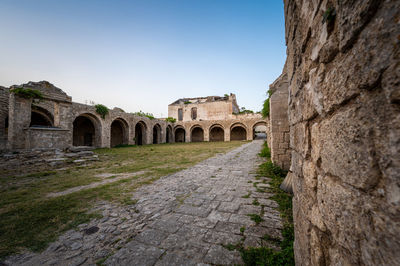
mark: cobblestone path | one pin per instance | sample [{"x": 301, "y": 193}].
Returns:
[{"x": 182, "y": 219}]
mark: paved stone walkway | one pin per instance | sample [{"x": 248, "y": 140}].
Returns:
[{"x": 182, "y": 219}]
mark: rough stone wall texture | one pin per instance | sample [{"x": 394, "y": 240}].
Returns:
[
  {"x": 344, "y": 116},
  {"x": 279, "y": 122},
  {"x": 4, "y": 95}
]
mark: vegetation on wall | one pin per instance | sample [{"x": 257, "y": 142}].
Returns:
[
  {"x": 243, "y": 110},
  {"x": 27, "y": 93},
  {"x": 187, "y": 102},
  {"x": 102, "y": 110},
  {"x": 265, "y": 109},
  {"x": 170, "y": 119},
  {"x": 141, "y": 113}
]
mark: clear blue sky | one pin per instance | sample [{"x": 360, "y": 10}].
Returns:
[{"x": 143, "y": 55}]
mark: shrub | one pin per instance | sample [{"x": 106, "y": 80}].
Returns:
[
  {"x": 187, "y": 102},
  {"x": 170, "y": 119},
  {"x": 27, "y": 93},
  {"x": 140, "y": 113},
  {"x": 101, "y": 110}
]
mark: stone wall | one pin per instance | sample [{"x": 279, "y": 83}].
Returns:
[
  {"x": 4, "y": 95},
  {"x": 279, "y": 122},
  {"x": 344, "y": 114}
]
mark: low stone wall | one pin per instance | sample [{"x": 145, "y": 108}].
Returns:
[
  {"x": 47, "y": 138},
  {"x": 344, "y": 114}
]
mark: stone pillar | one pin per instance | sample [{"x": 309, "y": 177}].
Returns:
[
  {"x": 19, "y": 119},
  {"x": 279, "y": 122},
  {"x": 227, "y": 134},
  {"x": 206, "y": 134}
]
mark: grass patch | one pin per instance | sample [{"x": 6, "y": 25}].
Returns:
[
  {"x": 255, "y": 202},
  {"x": 29, "y": 219},
  {"x": 265, "y": 255},
  {"x": 247, "y": 195},
  {"x": 255, "y": 217}
]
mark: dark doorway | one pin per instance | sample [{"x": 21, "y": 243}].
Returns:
[
  {"x": 83, "y": 132},
  {"x": 180, "y": 135},
  {"x": 197, "y": 134},
  {"x": 118, "y": 133},
  {"x": 140, "y": 134},
  {"x": 217, "y": 134},
  {"x": 238, "y": 133}
]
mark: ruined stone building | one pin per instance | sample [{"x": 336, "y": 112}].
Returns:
[
  {"x": 335, "y": 110},
  {"x": 213, "y": 118},
  {"x": 55, "y": 122}
]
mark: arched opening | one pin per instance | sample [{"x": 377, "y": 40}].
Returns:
[
  {"x": 140, "y": 133},
  {"x": 180, "y": 134},
  {"x": 119, "y": 132},
  {"x": 197, "y": 134},
  {"x": 168, "y": 137},
  {"x": 217, "y": 133},
  {"x": 41, "y": 117},
  {"x": 156, "y": 134},
  {"x": 260, "y": 130},
  {"x": 238, "y": 132},
  {"x": 85, "y": 132}
]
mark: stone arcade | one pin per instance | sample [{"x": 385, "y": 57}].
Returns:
[{"x": 55, "y": 122}]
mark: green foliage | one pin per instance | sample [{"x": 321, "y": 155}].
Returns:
[
  {"x": 27, "y": 93},
  {"x": 265, "y": 109},
  {"x": 243, "y": 110},
  {"x": 226, "y": 95},
  {"x": 265, "y": 152},
  {"x": 102, "y": 110},
  {"x": 329, "y": 15},
  {"x": 255, "y": 217},
  {"x": 170, "y": 119},
  {"x": 187, "y": 102},
  {"x": 148, "y": 115},
  {"x": 255, "y": 202}
]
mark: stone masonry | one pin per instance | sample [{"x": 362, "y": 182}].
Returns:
[
  {"x": 279, "y": 122},
  {"x": 344, "y": 93},
  {"x": 55, "y": 122}
]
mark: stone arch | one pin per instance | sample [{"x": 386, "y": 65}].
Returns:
[
  {"x": 40, "y": 117},
  {"x": 140, "y": 133},
  {"x": 180, "y": 134},
  {"x": 156, "y": 134},
  {"x": 238, "y": 132},
  {"x": 257, "y": 132},
  {"x": 119, "y": 132},
  {"x": 168, "y": 135},
  {"x": 86, "y": 130},
  {"x": 217, "y": 133},
  {"x": 196, "y": 134}
]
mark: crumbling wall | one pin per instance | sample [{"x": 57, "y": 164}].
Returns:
[
  {"x": 4, "y": 98},
  {"x": 279, "y": 122},
  {"x": 343, "y": 66}
]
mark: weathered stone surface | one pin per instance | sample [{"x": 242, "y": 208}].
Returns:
[{"x": 343, "y": 85}]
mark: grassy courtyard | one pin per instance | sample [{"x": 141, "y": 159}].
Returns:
[{"x": 29, "y": 218}]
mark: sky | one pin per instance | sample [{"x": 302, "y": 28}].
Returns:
[{"x": 144, "y": 54}]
